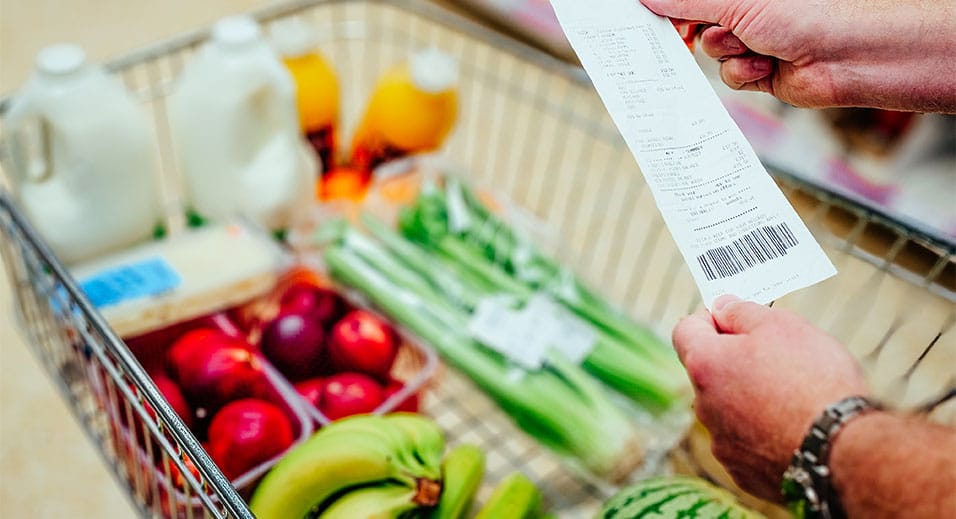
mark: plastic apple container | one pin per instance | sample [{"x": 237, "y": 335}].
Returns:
[
  {"x": 206, "y": 368},
  {"x": 342, "y": 358}
]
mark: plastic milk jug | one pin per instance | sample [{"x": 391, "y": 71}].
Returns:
[
  {"x": 84, "y": 167},
  {"x": 236, "y": 130}
]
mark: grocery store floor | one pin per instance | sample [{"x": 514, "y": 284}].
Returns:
[{"x": 48, "y": 468}]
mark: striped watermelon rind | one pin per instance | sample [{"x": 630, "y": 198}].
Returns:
[{"x": 676, "y": 497}]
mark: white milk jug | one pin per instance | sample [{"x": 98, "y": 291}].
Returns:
[
  {"x": 236, "y": 133},
  {"x": 84, "y": 166}
]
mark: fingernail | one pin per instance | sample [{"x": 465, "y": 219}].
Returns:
[
  {"x": 725, "y": 300},
  {"x": 731, "y": 43},
  {"x": 761, "y": 66}
]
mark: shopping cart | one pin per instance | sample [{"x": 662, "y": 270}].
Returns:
[{"x": 532, "y": 127}]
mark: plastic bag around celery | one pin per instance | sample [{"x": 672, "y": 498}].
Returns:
[
  {"x": 433, "y": 254},
  {"x": 493, "y": 247}
]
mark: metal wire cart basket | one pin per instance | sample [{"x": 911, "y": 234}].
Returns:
[{"x": 532, "y": 127}]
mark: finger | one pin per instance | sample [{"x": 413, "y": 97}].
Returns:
[
  {"x": 762, "y": 85},
  {"x": 719, "y": 42},
  {"x": 733, "y": 315},
  {"x": 693, "y": 332},
  {"x": 710, "y": 11},
  {"x": 738, "y": 71}
]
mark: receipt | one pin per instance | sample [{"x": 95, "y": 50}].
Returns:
[{"x": 736, "y": 230}]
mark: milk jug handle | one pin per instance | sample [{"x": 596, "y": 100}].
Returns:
[
  {"x": 264, "y": 83},
  {"x": 27, "y": 166},
  {"x": 258, "y": 84}
]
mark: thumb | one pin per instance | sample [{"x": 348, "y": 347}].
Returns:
[
  {"x": 692, "y": 332},
  {"x": 710, "y": 11},
  {"x": 734, "y": 315}
]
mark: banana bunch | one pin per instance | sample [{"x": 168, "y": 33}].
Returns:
[{"x": 366, "y": 467}]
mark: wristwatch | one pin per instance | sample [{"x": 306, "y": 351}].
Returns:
[{"x": 807, "y": 486}]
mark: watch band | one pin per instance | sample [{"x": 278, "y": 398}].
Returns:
[{"x": 807, "y": 485}]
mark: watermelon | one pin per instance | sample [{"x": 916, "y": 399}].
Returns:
[{"x": 676, "y": 497}]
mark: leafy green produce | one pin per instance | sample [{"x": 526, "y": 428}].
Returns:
[
  {"x": 491, "y": 257},
  {"x": 450, "y": 256},
  {"x": 560, "y": 404}
]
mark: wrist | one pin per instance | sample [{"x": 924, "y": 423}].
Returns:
[{"x": 852, "y": 445}]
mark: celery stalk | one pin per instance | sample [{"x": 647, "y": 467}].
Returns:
[
  {"x": 560, "y": 405},
  {"x": 627, "y": 356}
]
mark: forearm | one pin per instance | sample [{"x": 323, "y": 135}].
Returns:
[
  {"x": 899, "y": 56},
  {"x": 885, "y": 465}
]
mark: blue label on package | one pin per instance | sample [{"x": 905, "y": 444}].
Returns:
[{"x": 147, "y": 278}]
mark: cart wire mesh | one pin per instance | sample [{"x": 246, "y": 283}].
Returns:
[{"x": 531, "y": 127}]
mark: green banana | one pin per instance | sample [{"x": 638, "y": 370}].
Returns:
[
  {"x": 426, "y": 437},
  {"x": 385, "y": 501},
  {"x": 462, "y": 470},
  {"x": 416, "y": 441},
  {"x": 374, "y": 426},
  {"x": 515, "y": 497},
  {"x": 354, "y": 451}
]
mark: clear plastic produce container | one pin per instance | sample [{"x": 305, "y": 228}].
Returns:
[
  {"x": 414, "y": 367},
  {"x": 141, "y": 455}
]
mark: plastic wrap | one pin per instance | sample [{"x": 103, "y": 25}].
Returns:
[{"x": 463, "y": 270}]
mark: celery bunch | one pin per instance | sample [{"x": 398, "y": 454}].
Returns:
[
  {"x": 452, "y": 224},
  {"x": 560, "y": 405},
  {"x": 452, "y": 253}
]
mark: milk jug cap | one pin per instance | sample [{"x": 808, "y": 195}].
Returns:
[
  {"x": 60, "y": 59},
  {"x": 235, "y": 30},
  {"x": 292, "y": 37},
  {"x": 434, "y": 71}
]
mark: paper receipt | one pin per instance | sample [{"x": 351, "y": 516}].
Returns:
[{"x": 736, "y": 230}]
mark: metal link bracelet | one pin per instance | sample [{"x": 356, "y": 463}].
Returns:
[{"x": 807, "y": 483}]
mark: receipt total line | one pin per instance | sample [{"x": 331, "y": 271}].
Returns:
[{"x": 738, "y": 170}]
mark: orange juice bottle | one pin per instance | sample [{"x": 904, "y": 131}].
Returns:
[
  {"x": 317, "y": 88},
  {"x": 412, "y": 110}
]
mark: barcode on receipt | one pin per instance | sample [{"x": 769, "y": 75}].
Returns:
[{"x": 758, "y": 246}]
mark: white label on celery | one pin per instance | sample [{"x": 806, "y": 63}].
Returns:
[
  {"x": 737, "y": 232},
  {"x": 562, "y": 330},
  {"x": 496, "y": 325},
  {"x": 458, "y": 219}
]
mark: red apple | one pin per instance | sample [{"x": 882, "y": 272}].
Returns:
[
  {"x": 246, "y": 433},
  {"x": 347, "y": 393},
  {"x": 320, "y": 303},
  {"x": 295, "y": 344},
  {"x": 139, "y": 433},
  {"x": 410, "y": 404},
  {"x": 177, "y": 477},
  {"x": 311, "y": 390},
  {"x": 363, "y": 342},
  {"x": 211, "y": 376},
  {"x": 174, "y": 396},
  {"x": 191, "y": 341}
]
